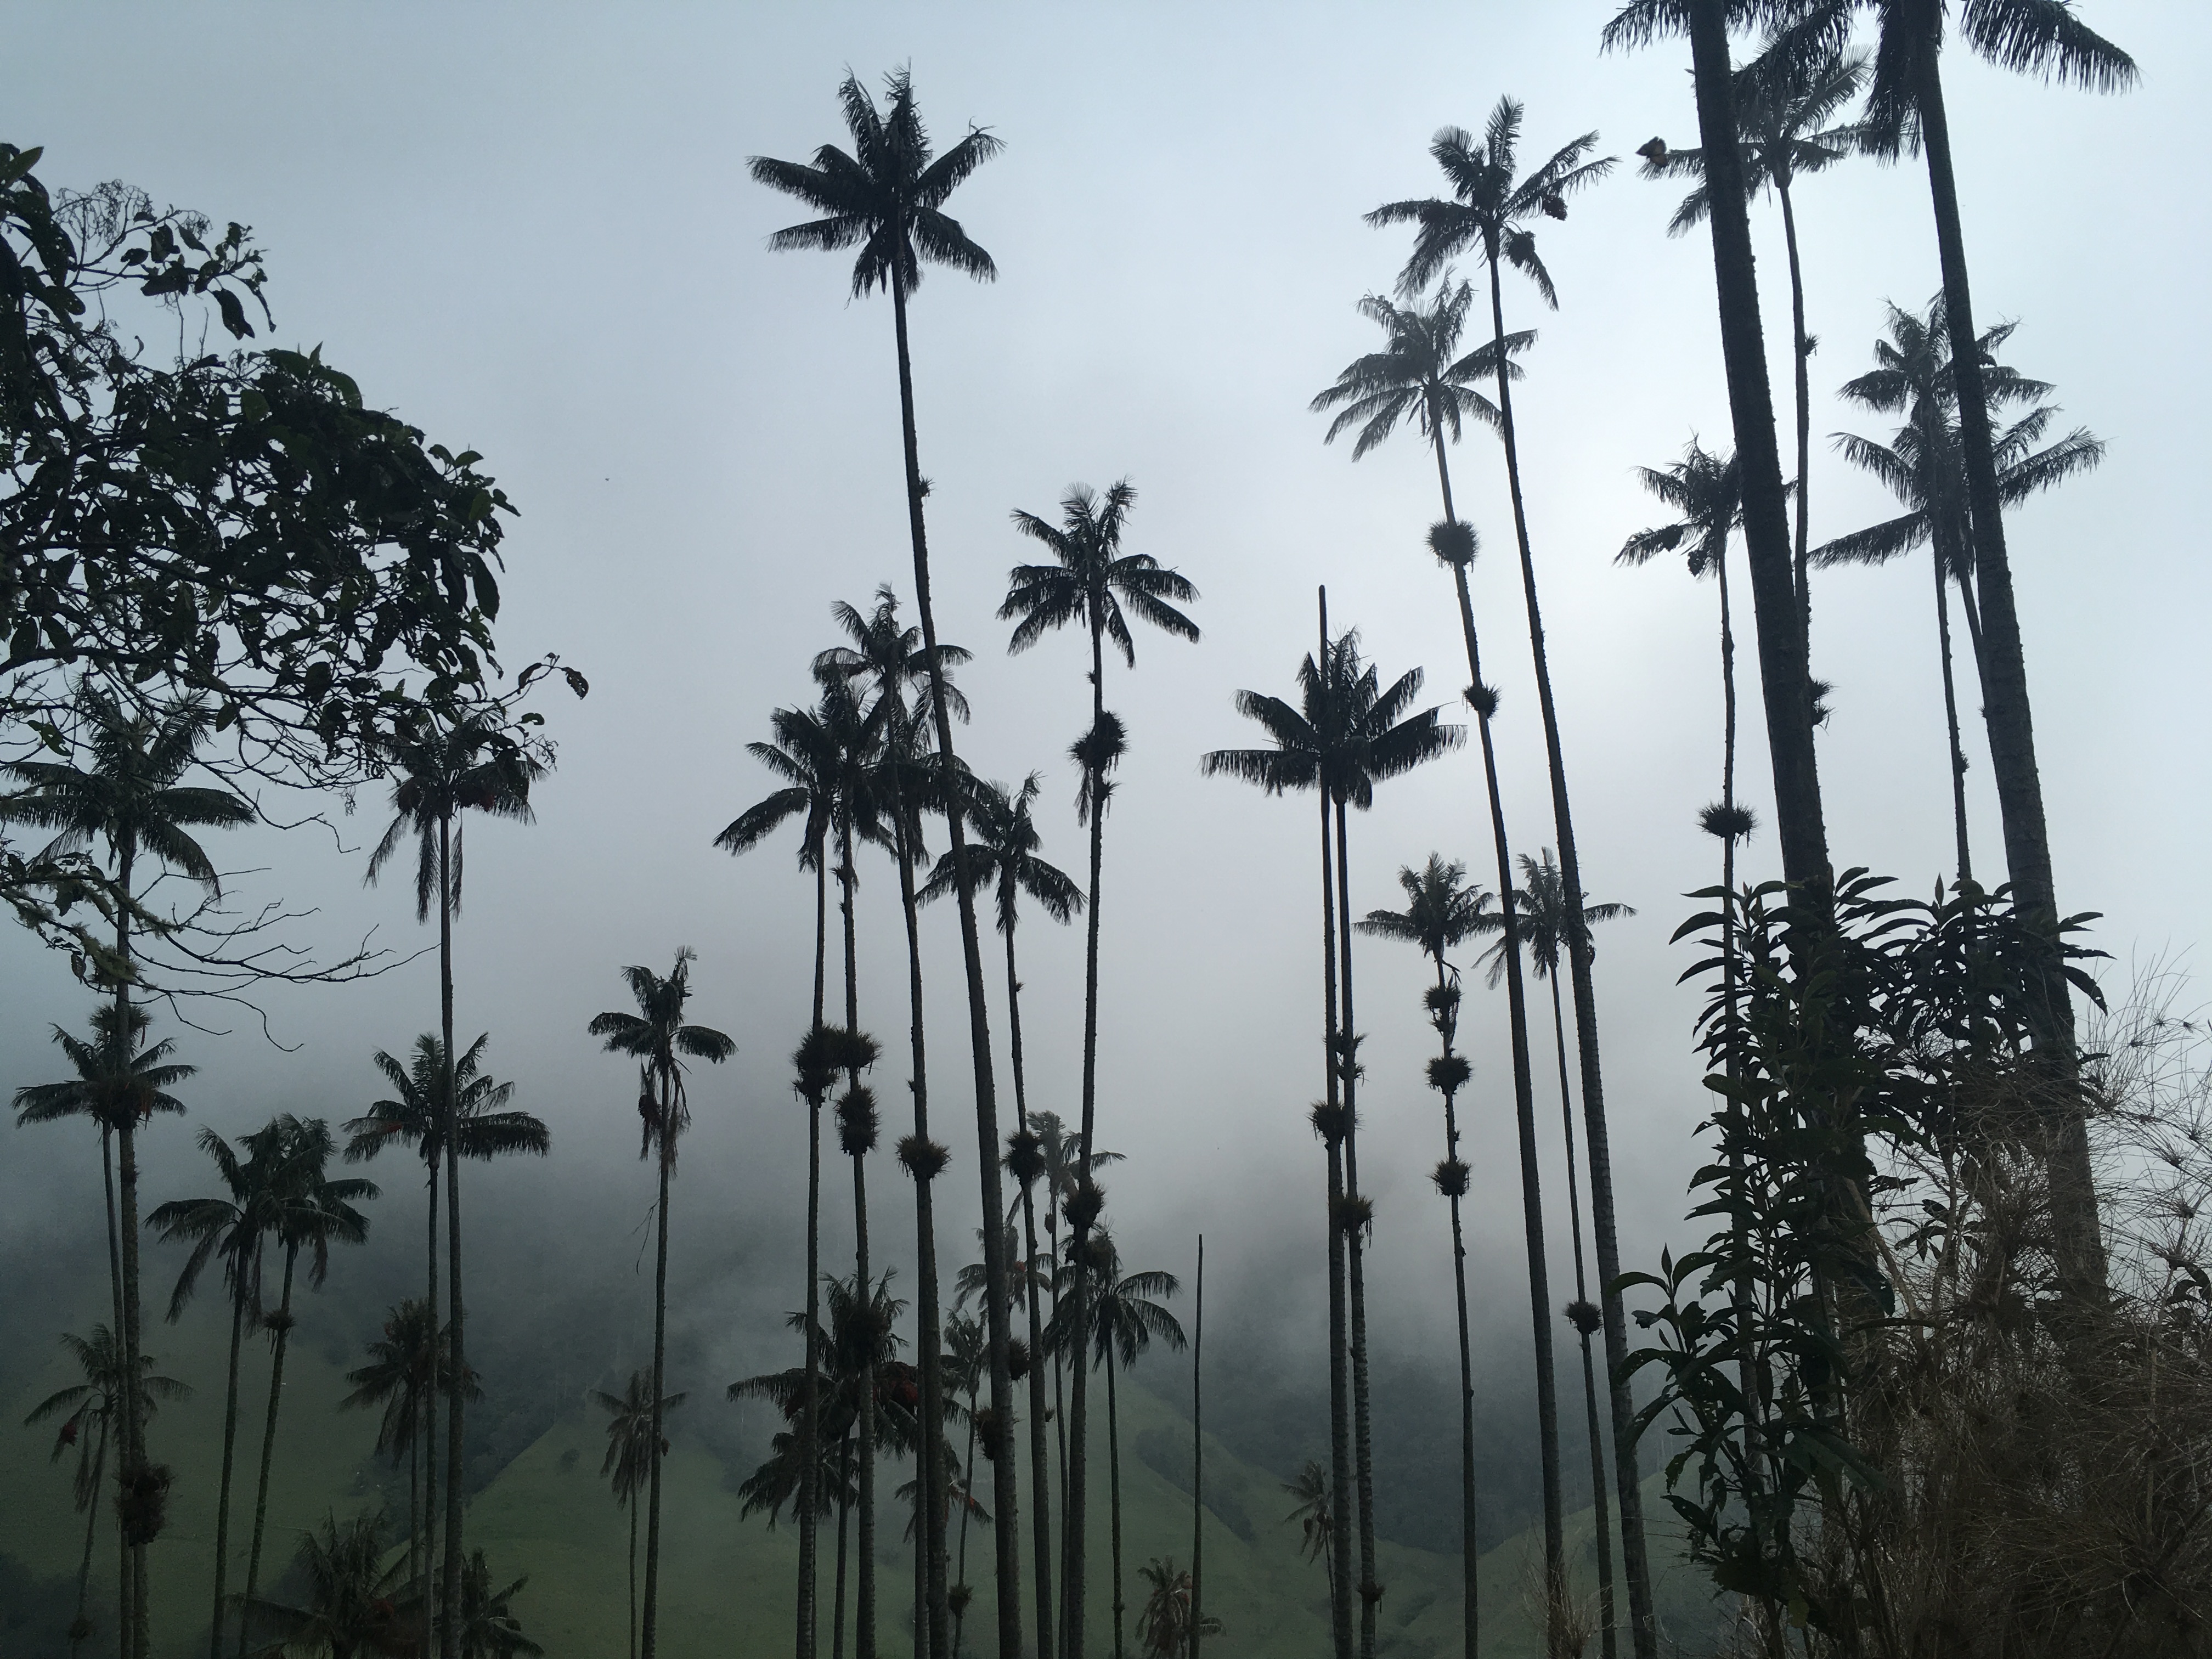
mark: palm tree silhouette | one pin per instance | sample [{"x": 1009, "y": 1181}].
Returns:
[
  {"x": 354, "y": 1602},
  {"x": 886, "y": 198},
  {"x": 967, "y": 1367},
  {"x": 658, "y": 1037},
  {"x": 1317, "y": 1521},
  {"x": 1124, "y": 1316},
  {"x": 488, "y": 1628},
  {"x": 309, "y": 1213},
  {"x": 1094, "y": 584},
  {"x": 1005, "y": 851},
  {"x": 1351, "y": 733},
  {"x": 456, "y": 766},
  {"x": 1415, "y": 380},
  {"x": 130, "y": 798},
  {"x": 1441, "y": 912},
  {"x": 234, "y": 1225},
  {"x": 406, "y": 1367},
  {"x": 91, "y": 1414},
  {"x": 632, "y": 1437},
  {"x": 1786, "y": 102},
  {"x": 1492, "y": 213},
  {"x": 1165, "y": 1627},
  {"x": 1923, "y": 466},
  {"x": 888, "y": 664}
]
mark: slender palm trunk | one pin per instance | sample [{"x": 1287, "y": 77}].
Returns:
[
  {"x": 837, "y": 1617},
  {"x": 91, "y": 1523},
  {"x": 115, "y": 1288},
  {"x": 456, "y": 1384},
  {"x": 1524, "y": 1109},
  {"x": 864, "y": 1631},
  {"x": 1470, "y": 1552},
  {"x": 1040, "y": 1460},
  {"x": 1958, "y": 755},
  {"x": 415, "y": 1511},
  {"x": 1114, "y": 1486},
  {"x": 1370, "y": 1587},
  {"x": 1340, "y": 1415},
  {"x": 1005, "y": 1498},
  {"x": 967, "y": 1507},
  {"x": 438, "y": 1360},
  {"x": 633, "y": 1575},
  {"x": 229, "y": 1449},
  {"x": 649, "y": 1625},
  {"x": 1800, "y": 351},
  {"x": 134, "y": 1459},
  {"x": 1197, "y": 1451},
  {"x": 1074, "y": 1525},
  {"x": 269, "y": 1441},
  {"x": 929, "y": 1491},
  {"x": 810, "y": 1451},
  {"x": 1603, "y": 1517}
]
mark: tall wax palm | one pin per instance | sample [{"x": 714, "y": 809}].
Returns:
[
  {"x": 1096, "y": 585},
  {"x": 1005, "y": 853},
  {"x": 1906, "y": 110},
  {"x": 488, "y": 1628},
  {"x": 1441, "y": 912},
  {"x": 659, "y": 1039},
  {"x": 234, "y": 1225},
  {"x": 353, "y": 1604},
  {"x": 130, "y": 799},
  {"x": 886, "y": 198},
  {"x": 633, "y": 1445},
  {"x": 1550, "y": 930},
  {"x": 406, "y": 1367},
  {"x": 1351, "y": 733},
  {"x": 461, "y": 764},
  {"x": 1315, "y": 1517},
  {"x": 92, "y": 1413},
  {"x": 887, "y": 664},
  {"x": 120, "y": 1086},
  {"x": 1415, "y": 381},
  {"x": 1492, "y": 213},
  {"x": 823, "y": 755},
  {"x": 1923, "y": 465},
  {"x": 309, "y": 1213},
  {"x": 1787, "y": 101},
  {"x": 1125, "y": 1315}
]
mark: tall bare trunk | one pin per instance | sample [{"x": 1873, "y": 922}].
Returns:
[
  {"x": 864, "y": 1609},
  {"x": 649, "y": 1626},
  {"x": 115, "y": 1288},
  {"x": 134, "y": 1460},
  {"x": 810, "y": 1407},
  {"x": 438, "y": 1359},
  {"x": 1197, "y": 1454},
  {"x": 1470, "y": 1552},
  {"x": 1342, "y": 1502},
  {"x": 1114, "y": 1486},
  {"x": 1040, "y": 1458},
  {"x": 268, "y": 1445},
  {"x": 1006, "y": 1496},
  {"x": 91, "y": 1524},
  {"x": 1363, "y": 1456},
  {"x": 633, "y": 1575},
  {"x": 456, "y": 1384},
  {"x": 229, "y": 1449},
  {"x": 1957, "y": 756},
  {"x": 1800, "y": 349}
]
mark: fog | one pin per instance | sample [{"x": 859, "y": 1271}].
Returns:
[{"x": 529, "y": 231}]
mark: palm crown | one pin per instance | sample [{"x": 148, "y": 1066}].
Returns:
[
  {"x": 886, "y": 196},
  {"x": 1704, "y": 488},
  {"x": 1490, "y": 210},
  {"x": 409, "y": 1362},
  {"x": 1125, "y": 1314},
  {"x": 1416, "y": 380},
  {"x": 233, "y": 1226},
  {"x": 310, "y": 1212},
  {"x": 1003, "y": 848},
  {"x": 658, "y": 1037},
  {"x": 1094, "y": 579},
  {"x": 96, "y": 1401},
  {"x": 468, "y": 766},
  {"x": 826, "y": 757},
  {"x": 1442, "y": 910},
  {"x": 1787, "y": 101},
  {"x": 117, "y": 1085},
  {"x": 483, "y": 1127},
  {"x": 628, "y": 1462},
  {"x": 1540, "y": 911}
]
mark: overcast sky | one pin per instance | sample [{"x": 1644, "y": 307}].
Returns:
[{"x": 529, "y": 230}]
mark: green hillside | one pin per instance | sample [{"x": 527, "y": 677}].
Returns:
[{"x": 726, "y": 1583}]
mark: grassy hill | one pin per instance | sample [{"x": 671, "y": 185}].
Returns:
[{"x": 725, "y": 1582}]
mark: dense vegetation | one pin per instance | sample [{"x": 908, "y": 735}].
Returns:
[{"x": 1934, "y": 1382}]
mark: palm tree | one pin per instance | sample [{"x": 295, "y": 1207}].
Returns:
[
  {"x": 1317, "y": 1521},
  {"x": 488, "y": 1628},
  {"x": 119, "y": 1085},
  {"x": 1165, "y": 1626},
  {"x": 456, "y": 766},
  {"x": 1492, "y": 213},
  {"x": 308, "y": 1214},
  {"x": 888, "y": 664},
  {"x": 823, "y": 756},
  {"x": 406, "y": 1370},
  {"x": 1351, "y": 733},
  {"x": 1906, "y": 109},
  {"x": 1005, "y": 851},
  {"x": 91, "y": 1414},
  {"x": 1096, "y": 584},
  {"x": 1414, "y": 381},
  {"x": 1923, "y": 466},
  {"x": 130, "y": 798},
  {"x": 886, "y": 198},
  {"x": 1786, "y": 101},
  {"x": 234, "y": 1226},
  {"x": 632, "y": 1446},
  {"x": 354, "y": 1603},
  {"x": 658, "y": 1039},
  {"x": 967, "y": 1367},
  {"x": 1441, "y": 912},
  {"x": 1124, "y": 1316}
]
